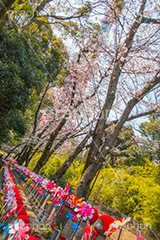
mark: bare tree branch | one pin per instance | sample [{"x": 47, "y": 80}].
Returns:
[
  {"x": 140, "y": 94},
  {"x": 150, "y": 20}
]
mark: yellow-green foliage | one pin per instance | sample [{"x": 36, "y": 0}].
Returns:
[
  {"x": 53, "y": 164},
  {"x": 3, "y": 153},
  {"x": 72, "y": 175},
  {"x": 134, "y": 191},
  {"x": 34, "y": 161}
]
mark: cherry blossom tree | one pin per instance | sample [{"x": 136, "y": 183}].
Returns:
[
  {"x": 67, "y": 103},
  {"x": 132, "y": 81},
  {"x": 113, "y": 77}
]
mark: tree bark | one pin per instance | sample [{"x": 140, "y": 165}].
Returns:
[
  {"x": 119, "y": 63},
  {"x": 20, "y": 144},
  {"x": 51, "y": 152},
  {"x": 94, "y": 166},
  {"x": 49, "y": 144},
  {"x": 21, "y": 154},
  {"x": 25, "y": 154},
  {"x": 59, "y": 144},
  {"x": 62, "y": 170},
  {"x": 33, "y": 153}
]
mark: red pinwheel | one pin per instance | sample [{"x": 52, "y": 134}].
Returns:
[
  {"x": 29, "y": 228},
  {"x": 17, "y": 230},
  {"x": 50, "y": 185},
  {"x": 76, "y": 201},
  {"x": 11, "y": 211},
  {"x": 18, "y": 196},
  {"x": 139, "y": 237}
]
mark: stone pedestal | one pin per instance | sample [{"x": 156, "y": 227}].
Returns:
[{"x": 62, "y": 219}]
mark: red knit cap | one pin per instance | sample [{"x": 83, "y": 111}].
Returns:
[
  {"x": 107, "y": 220},
  {"x": 19, "y": 200},
  {"x": 95, "y": 216},
  {"x": 20, "y": 206},
  {"x": 21, "y": 211},
  {"x": 24, "y": 218}
]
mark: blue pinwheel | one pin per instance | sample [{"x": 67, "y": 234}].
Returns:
[
  {"x": 75, "y": 227},
  {"x": 1, "y": 225},
  {"x": 44, "y": 195},
  {"x": 56, "y": 206},
  {"x": 69, "y": 216},
  {"x": 6, "y": 230}
]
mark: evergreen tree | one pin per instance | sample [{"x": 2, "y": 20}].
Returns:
[{"x": 27, "y": 64}]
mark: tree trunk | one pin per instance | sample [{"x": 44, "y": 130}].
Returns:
[
  {"x": 33, "y": 153},
  {"x": 119, "y": 63},
  {"x": 49, "y": 144},
  {"x": 20, "y": 155},
  {"x": 51, "y": 152},
  {"x": 97, "y": 141},
  {"x": 96, "y": 164},
  {"x": 13, "y": 149},
  {"x": 62, "y": 170},
  {"x": 83, "y": 186},
  {"x": 57, "y": 146},
  {"x": 25, "y": 154}
]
